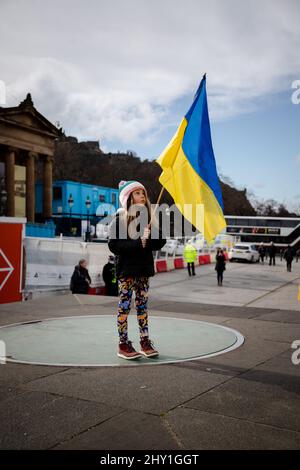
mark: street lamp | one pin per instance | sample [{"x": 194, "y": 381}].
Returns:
[
  {"x": 71, "y": 203},
  {"x": 88, "y": 233},
  {"x": 3, "y": 201},
  {"x": 3, "y": 197},
  {"x": 168, "y": 221}
]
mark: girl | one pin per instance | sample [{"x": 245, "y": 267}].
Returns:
[{"x": 130, "y": 240}]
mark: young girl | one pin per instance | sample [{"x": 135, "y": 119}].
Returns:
[{"x": 130, "y": 240}]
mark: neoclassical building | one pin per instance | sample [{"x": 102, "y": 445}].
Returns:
[{"x": 26, "y": 139}]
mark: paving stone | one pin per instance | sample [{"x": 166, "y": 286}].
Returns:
[
  {"x": 37, "y": 420},
  {"x": 131, "y": 431},
  {"x": 202, "y": 430}
]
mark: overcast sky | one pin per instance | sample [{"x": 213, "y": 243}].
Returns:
[{"x": 125, "y": 71}]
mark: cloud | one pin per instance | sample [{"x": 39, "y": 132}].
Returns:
[
  {"x": 259, "y": 185},
  {"x": 114, "y": 69}
]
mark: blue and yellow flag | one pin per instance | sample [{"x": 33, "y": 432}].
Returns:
[{"x": 189, "y": 169}]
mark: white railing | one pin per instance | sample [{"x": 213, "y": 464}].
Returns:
[{"x": 50, "y": 262}]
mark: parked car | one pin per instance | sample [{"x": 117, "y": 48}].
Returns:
[
  {"x": 179, "y": 247},
  {"x": 102, "y": 231},
  {"x": 173, "y": 247},
  {"x": 170, "y": 246},
  {"x": 198, "y": 242},
  {"x": 244, "y": 251}
]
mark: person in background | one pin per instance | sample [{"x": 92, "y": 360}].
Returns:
[
  {"x": 80, "y": 280},
  {"x": 262, "y": 252},
  {"x": 272, "y": 254},
  {"x": 281, "y": 254},
  {"x": 289, "y": 256},
  {"x": 110, "y": 278},
  {"x": 220, "y": 265},
  {"x": 190, "y": 256}
]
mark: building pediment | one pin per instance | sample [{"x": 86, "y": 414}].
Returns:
[
  {"x": 24, "y": 128},
  {"x": 25, "y": 115}
]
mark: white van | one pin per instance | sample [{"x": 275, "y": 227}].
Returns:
[
  {"x": 102, "y": 231},
  {"x": 244, "y": 251}
]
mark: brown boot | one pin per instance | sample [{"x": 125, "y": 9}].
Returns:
[
  {"x": 127, "y": 351},
  {"x": 147, "y": 347}
]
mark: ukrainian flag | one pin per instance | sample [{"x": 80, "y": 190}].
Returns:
[{"x": 189, "y": 169}]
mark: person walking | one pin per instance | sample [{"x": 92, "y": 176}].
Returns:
[
  {"x": 282, "y": 251},
  {"x": 80, "y": 280},
  {"x": 109, "y": 277},
  {"x": 289, "y": 256},
  {"x": 272, "y": 254},
  {"x": 190, "y": 256},
  {"x": 267, "y": 254},
  {"x": 133, "y": 236},
  {"x": 220, "y": 265},
  {"x": 262, "y": 252}
]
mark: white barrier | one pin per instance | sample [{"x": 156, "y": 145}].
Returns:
[{"x": 50, "y": 262}]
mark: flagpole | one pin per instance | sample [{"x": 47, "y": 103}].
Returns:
[{"x": 157, "y": 203}]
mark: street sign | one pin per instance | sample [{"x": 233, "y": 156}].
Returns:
[{"x": 11, "y": 259}]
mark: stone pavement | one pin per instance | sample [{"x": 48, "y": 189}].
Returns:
[{"x": 248, "y": 398}]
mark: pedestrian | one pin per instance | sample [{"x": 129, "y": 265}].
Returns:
[
  {"x": 297, "y": 255},
  {"x": 281, "y": 254},
  {"x": 289, "y": 256},
  {"x": 80, "y": 280},
  {"x": 110, "y": 278},
  {"x": 190, "y": 256},
  {"x": 134, "y": 234},
  {"x": 267, "y": 254},
  {"x": 262, "y": 252},
  {"x": 220, "y": 265},
  {"x": 272, "y": 253}
]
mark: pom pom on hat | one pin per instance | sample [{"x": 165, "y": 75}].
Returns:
[
  {"x": 126, "y": 188},
  {"x": 122, "y": 183}
]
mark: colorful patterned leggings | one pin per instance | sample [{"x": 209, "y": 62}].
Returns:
[{"x": 126, "y": 287}]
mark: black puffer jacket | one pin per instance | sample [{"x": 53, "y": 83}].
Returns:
[
  {"x": 220, "y": 263},
  {"x": 289, "y": 255},
  {"x": 80, "y": 280},
  {"x": 131, "y": 258}
]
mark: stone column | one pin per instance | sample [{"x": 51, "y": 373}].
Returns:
[
  {"x": 30, "y": 186},
  {"x": 47, "y": 187},
  {"x": 10, "y": 181}
]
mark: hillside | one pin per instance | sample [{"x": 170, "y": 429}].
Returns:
[{"x": 85, "y": 162}]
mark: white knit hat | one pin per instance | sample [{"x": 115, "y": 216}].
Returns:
[{"x": 126, "y": 188}]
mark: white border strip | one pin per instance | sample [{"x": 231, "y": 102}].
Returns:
[{"x": 239, "y": 341}]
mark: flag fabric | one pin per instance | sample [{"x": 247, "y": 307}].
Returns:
[{"x": 189, "y": 169}]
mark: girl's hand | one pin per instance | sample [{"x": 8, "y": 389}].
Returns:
[
  {"x": 145, "y": 236},
  {"x": 146, "y": 233}
]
